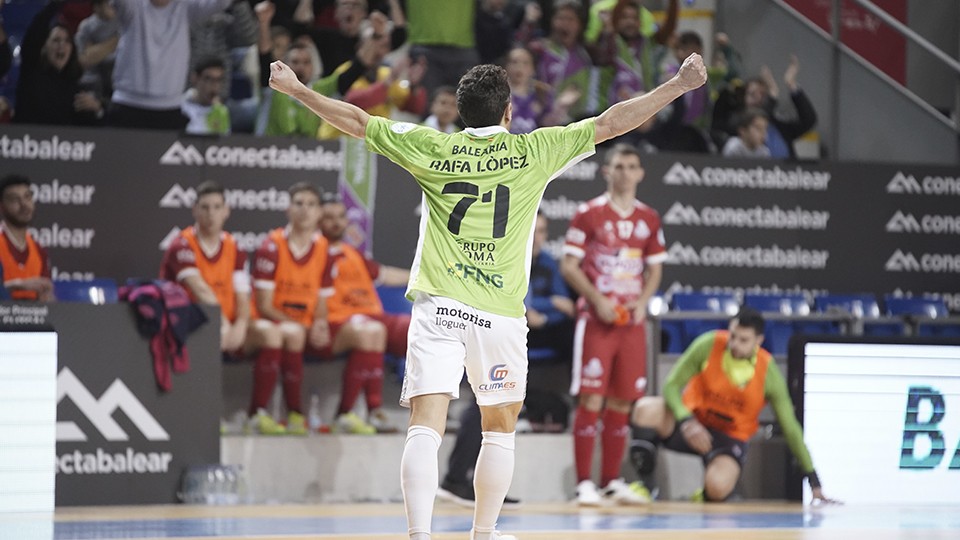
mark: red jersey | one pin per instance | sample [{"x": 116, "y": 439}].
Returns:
[
  {"x": 350, "y": 278},
  {"x": 295, "y": 280},
  {"x": 185, "y": 257},
  {"x": 615, "y": 247},
  {"x": 32, "y": 262}
]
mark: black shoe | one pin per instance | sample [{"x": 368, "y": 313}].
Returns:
[
  {"x": 457, "y": 493},
  {"x": 509, "y": 503},
  {"x": 462, "y": 494}
]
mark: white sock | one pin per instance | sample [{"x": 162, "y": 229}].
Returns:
[
  {"x": 491, "y": 481},
  {"x": 419, "y": 477}
]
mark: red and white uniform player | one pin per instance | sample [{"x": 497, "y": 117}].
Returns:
[
  {"x": 614, "y": 248},
  {"x": 613, "y": 257}
]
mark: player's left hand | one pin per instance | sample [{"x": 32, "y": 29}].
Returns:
[
  {"x": 283, "y": 79},
  {"x": 692, "y": 73},
  {"x": 820, "y": 499},
  {"x": 231, "y": 339},
  {"x": 535, "y": 319}
]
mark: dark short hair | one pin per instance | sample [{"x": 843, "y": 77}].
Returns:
[
  {"x": 13, "y": 180},
  {"x": 750, "y": 318},
  {"x": 331, "y": 197},
  {"x": 210, "y": 187},
  {"x": 208, "y": 62},
  {"x": 747, "y": 117},
  {"x": 300, "y": 187},
  {"x": 573, "y": 5},
  {"x": 690, "y": 39},
  {"x": 621, "y": 149},
  {"x": 483, "y": 95}
]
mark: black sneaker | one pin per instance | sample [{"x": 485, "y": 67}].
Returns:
[
  {"x": 509, "y": 503},
  {"x": 462, "y": 494},
  {"x": 457, "y": 493}
]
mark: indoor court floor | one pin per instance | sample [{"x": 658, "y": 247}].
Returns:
[{"x": 662, "y": 521}]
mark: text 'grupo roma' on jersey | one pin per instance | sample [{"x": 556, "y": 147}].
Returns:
[
  {"x": 481, "y": 190},
  {"x": 614, "y": 247}
]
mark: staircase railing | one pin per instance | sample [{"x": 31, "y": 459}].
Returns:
[{"x": 901, "y": 28}]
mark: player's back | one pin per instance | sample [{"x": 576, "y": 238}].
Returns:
[{"x": 482, "y": 187}]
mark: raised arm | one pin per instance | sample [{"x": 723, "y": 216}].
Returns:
[
  {"x": 347, "y": 118},
  {"x": 628, "y": 115}
]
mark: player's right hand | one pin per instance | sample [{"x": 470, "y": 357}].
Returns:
[
  {"x": 282, "y": 78},
  {"x": 820, "y": 499},
  {"x": 606, "y": 309},
  {"x": 696, "y": 436},
  {"x": 692, "y": 73}
]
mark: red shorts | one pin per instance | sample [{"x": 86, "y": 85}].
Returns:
[
  {"x": 396, "y": 326},
  {"x": 609, "y": 360}
]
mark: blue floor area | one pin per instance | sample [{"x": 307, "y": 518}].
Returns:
[{"x": 843, "y": 518}]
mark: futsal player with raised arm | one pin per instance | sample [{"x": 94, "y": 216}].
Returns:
[{"x": 481, "y": 189}]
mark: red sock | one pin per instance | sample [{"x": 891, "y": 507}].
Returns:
[
  {"x": 373, "y": 379},
  {"x": 584, "y": 438},
  {"x": 291, "y": 363},
  {"x": 265, "y": 368},
  {"x": 352, "y": 381},
  {"x": 614, "y": 442}
]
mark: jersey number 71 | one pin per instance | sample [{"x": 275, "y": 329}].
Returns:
[{"x": 501, "y": 205}]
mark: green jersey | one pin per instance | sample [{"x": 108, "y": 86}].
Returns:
[{"x": 481, "y": 190}]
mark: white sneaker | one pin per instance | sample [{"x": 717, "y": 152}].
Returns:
[
  {"x": 495, "y": 535},
  {"x": 620, "y": 492},
  {"x": 587, "y": 494}
]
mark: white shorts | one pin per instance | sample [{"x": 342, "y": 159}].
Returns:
[{"x": 447, "y": 336}]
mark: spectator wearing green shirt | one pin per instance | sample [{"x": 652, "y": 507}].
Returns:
[
  {"x": 481, "y": 189},
  {"x": 442, "y": 31},
  {"x": 202, "y": 104},
  {"x": 711, "y": 405}
]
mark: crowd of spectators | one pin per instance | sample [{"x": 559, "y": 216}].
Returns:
[{"x": 203, "y": 66}]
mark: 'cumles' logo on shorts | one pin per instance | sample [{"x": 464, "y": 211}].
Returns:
[
  {"x": 497, "y": 374},
  {"x": 464, "y": 316}
]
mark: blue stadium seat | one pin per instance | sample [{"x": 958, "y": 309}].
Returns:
[
  {"x": 700, "y": 301},
  {"x": 784, "y": 304},
  {"x": 863, "y": 306},
  {"x": 923, "y": 308},
  {"x": 926, "y": 307},
  {"x": 858, "y": 305},
  {"x": 393, "y": 299},
  {"x": 690, "y": 328},
  {"x": 95, "y": 291}
]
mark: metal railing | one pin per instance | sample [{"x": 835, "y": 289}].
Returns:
[
  {"x": 839, "y": 48},
  {"x": 920, "y": 41}
]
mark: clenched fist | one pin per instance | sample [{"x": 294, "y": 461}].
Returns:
[
  {"x": 692, "y": 73},
  {"x": 283, "y": 79}
]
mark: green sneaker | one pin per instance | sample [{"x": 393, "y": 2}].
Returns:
[
  {"x": 351, "y": 423},
  {"x": 641, "y": 491},
  {"x": 698, "y": 496},
  {"x": 296, "y": 424},
  {"x": 264, "y": 424}
]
